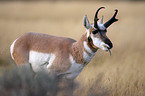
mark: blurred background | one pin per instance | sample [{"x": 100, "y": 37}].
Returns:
[{"x": 121, "y": 74}]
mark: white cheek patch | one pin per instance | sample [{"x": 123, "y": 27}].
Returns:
[
  {"x": 40, "y": 61},
  {"x": 99, "y": 43}
]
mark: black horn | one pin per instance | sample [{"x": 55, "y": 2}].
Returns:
[
  {"x": 112, "y": 20},
  {"x": 96, "y": 18}
]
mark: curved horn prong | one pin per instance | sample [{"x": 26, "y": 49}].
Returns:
[
  {"x": 112, "y": 20},
  {"x": 96, "y": 18}
]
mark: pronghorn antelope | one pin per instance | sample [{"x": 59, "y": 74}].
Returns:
[{"x": 65, "y": 57}]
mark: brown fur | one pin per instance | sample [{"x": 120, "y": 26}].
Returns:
[
  {"x": 45, "y": 44},
  {"x": 78, "y": 49},
  {"x": 60, "y": 46}
]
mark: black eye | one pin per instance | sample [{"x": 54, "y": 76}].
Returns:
[{"x": 95, "y": 31}]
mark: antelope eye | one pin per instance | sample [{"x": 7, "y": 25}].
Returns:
[{"x": 95, "y": 31}]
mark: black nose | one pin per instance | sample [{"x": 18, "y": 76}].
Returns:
[{"x": 108, "y": 42}]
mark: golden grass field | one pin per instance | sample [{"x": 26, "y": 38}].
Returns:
[{"x": 121, "y": 74}]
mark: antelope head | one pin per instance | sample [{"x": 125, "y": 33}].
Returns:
[{"x": 96, "y": 33}]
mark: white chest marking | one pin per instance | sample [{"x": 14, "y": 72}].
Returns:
[
  {"x": 74, "y": 70},
  {"x": 40, "y": 61},
  {"x": 88, "y": 57},
  {"x": 87, "y": 48}
]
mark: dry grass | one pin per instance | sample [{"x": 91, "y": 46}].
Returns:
[{"x": 121, "y": 74}]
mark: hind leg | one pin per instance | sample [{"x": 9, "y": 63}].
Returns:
[{"x": 20, "y": 56}]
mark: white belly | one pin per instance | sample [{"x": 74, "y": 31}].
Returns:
[
  {"x": 40, "y": 61},
  {"x": 43, "y": 61}
]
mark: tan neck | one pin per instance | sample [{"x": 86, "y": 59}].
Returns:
[{"x": 78, "y": 49}]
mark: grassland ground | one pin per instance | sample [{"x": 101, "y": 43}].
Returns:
[{"x": 121, "y": 74}]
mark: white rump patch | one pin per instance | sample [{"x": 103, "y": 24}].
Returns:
[
  {"x": 40, "y": 61},
  {"x": 12, "y": 49}
]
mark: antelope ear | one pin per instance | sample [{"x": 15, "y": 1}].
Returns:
[
  {"x": 101, "y": 20},
  {"x": 86, "y": 22}
]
